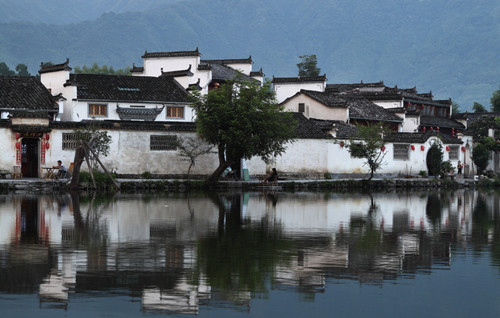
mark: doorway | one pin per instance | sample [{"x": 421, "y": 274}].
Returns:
[{"x": 30, "y": 157}]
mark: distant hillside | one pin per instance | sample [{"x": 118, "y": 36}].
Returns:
[{"x": 447, "y": 46}]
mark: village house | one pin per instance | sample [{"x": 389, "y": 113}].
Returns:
[
  {"x": 147, "y": 113},
  {"x": 417, "y": 121}
]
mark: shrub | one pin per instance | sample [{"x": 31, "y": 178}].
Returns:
[
  {"x": 328, "y": 175},
  {"x": 146, "y": 175},
  {"x": 423, "y": 173}
]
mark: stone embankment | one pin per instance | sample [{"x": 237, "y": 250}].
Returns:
[{"x": 164, "y": 185}]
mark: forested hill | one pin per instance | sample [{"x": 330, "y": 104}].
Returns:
[{"x": 447, "y": 46}]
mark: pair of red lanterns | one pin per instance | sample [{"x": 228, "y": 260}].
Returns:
[{"x": 421, "y": 147}]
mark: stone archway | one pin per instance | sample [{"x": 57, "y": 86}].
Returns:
[{"x": 433, "y": 160}]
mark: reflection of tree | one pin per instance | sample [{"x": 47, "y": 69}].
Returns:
[
  {"x": 88, "y": 231},
  {"x": 433, "y": 209},
  {"x": 241, "y": 255},
  {"x": 481, "y": 223}
]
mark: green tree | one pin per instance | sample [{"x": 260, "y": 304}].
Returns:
[
  {"x": 481, "y": 156},
  {"x": 22, "y": 70},
  {"x": 5, "y": 70},
  {"x": 242, "y": 119},
  {"x": 478, "y": 108},
  {"x": 103, "y": 70},
  {"x": 495, "y": 101},
  {"x": 99, "y": 141},
  {"x": 435, "y": 159},
  {"x": 308, "y": 65},
  {"x": 367, "y": 144}
]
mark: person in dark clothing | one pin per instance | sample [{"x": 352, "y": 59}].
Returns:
[{"x": 273, "y": 176}]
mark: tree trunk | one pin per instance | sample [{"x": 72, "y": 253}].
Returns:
[
  {"x": 79, "y": 157},
  {"x": 223, "y": 164}
]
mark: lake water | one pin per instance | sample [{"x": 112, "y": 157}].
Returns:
[{"x": 267, "y": 254}]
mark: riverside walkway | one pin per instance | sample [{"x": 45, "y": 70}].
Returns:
[{"x": 38, "y": 185}]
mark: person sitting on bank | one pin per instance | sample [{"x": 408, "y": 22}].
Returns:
[
  {"x": 229, "y": 173},
  {"x": 273, "y": 176},
  {"x": 62, "y": 168}
]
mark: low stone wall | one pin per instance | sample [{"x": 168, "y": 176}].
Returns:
[{"x": 161, "y": 185}]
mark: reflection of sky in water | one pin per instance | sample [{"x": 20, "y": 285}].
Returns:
[{"x": 293, "y": 254}]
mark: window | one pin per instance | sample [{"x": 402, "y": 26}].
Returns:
[
  {"x": 302, "y": 107},
  {"x": 98, "y": 110},
  {"x": 175, "y": 112},
  {"x": 69, "y": 141},
  {"x": 401, "y": 151},
  {"x": 162, "y": 142},
  {"x": 453, "y": 153}
]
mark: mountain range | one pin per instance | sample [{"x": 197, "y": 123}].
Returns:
[{"x": 448, "y": 47}]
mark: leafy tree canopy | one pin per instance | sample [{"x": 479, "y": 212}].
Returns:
[
  {"x": 103, "y": 70},
  {"x": 308, "y": 66},
  {"x": 481, "y": 156},
  {"x": 495, "y": 101},
  {"x": 243, "y": 119},
  {"x": 478, "y": 108},
  {"x": 22, "y": 70}
]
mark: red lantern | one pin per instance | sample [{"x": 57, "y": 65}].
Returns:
[
  {"x": 463, "y": 148},
  {"x": 424, "y": 129},
  {"x": 47, "y": 146},
  {"x": 383, "y": 148},
  {"x": 47, "y": 136},
  {"x": 422, "y": 147},
  {"x": 431, "y": 128},
  {"x": 342, "y": 144},
  {"x": 447, "y": 148},
  {"x": 18, "y": 135},
  {"x": 412, "y": 147},
  {"x": 18, "y": 145}
]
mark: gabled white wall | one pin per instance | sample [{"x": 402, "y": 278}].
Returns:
[
  {"x": 315, "y": 109},
  {"x": 285, "y": 90},
  {"x": 244, "y": 68},
  {"x": 154, "y": 65}
]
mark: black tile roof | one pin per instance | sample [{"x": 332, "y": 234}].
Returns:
[
  {"x": 127, "y": 88},
  {"x": 419, "y": 137},
  {"x": 224, "y": 73},
  {"x": 440, "y": 122},
  {"x": 26, "y": 94},
  {"x": 136, "y": 69},
  {"x": 341, "y": 88},
  {"x": 474, "y": 117},
  {"x": 180, "y": 73},
  {"x": 330, "y": 100},
  {"x": 308, "y": 128},
  {"x": 171, "y": 54},
  {"x": 229, "y": 61},
  {"x": 359, "y": 107},
  {"x": 44, "y": 68},
  {"x": 128, "y": 125},
  {"x": 303, "y": 79},
  {"x": 257, "y": 73}
]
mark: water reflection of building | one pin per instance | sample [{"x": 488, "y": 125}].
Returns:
[{"x": 148, "y": 248}]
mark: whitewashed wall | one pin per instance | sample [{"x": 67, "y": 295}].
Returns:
[
  {"x": 7, "y": 149},
  {"x": 285, "y": 90},
  {"x": 130, "y": 154}
]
